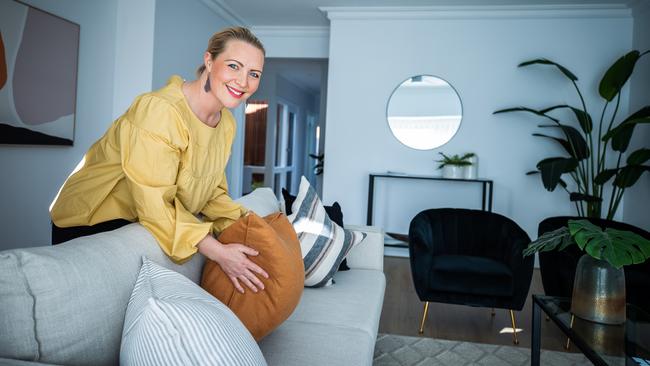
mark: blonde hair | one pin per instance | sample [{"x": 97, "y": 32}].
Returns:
[{"x": 219, "y": 40}]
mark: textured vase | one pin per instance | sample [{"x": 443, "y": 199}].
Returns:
[{"x": 598, "y": 291}]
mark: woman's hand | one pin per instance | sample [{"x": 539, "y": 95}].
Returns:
[{"x": 233, "y": 260}]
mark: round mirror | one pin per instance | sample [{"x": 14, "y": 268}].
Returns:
[{"x": 424, "y": 112}]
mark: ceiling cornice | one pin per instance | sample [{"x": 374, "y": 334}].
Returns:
[
  {"x": 223, "y": 10},
  {"x": 640, "y": 6},
  {"x": 469, "y": 12},
  {"x": 292, "y": 31}
]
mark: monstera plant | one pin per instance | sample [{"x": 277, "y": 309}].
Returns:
[
  {"x": 618, "y": 247},
  {"x": 587, "y": 144}
]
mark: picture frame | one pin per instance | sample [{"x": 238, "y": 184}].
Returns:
[{"x": 39, "y": 55}]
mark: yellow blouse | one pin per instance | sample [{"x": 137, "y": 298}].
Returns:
[{"x": 160, "y": 165}]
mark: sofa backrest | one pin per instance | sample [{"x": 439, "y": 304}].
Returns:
[{"x": 65, "y": 304}]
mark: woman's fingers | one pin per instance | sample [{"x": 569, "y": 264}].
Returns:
[
  {"x": 257, "y": 269},
  {"x": 248, "y": 283},
  {"x": 235, "y": 282},
  {"x": 249, "y": 264},
  {"x": 248, "y": 250},
  {"x": 253, "y": 278}
]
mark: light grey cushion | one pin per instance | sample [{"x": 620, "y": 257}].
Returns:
[
  {"x": 323, "y": 243},
  {"x": 65, "y": 304},
  {"x": 262, "y": 201},
  {"x": 172, "y": 321},
  {"x": 355, "y": 301},
  {"x": 303, "y": 343}
]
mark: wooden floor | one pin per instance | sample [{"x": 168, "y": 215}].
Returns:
[{"x": 402, "y": 312}]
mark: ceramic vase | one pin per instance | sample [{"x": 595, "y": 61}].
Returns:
[
  {"x": 471, "y": 171},
  {"x": 452, "y": 171},
  {"x": 598, "y": 291}
]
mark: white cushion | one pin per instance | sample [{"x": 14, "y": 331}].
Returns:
[
  {"x": 313, "y": 344},
  {"x": 355, "y": 301},
  {"x": 262, "y": 201},
  {"x": 323, "y": 243},
  {"x": 172, "y": 321}
]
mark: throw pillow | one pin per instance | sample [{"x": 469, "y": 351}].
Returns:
[
  {"x": 323, "y": 243},
  {"x": 279, "y": 255},
  {"x": 262, "y": 201},
  {"x": 334, "y": 212},
  {"x": 172, "y": 321}
]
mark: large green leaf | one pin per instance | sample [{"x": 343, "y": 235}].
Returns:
[
  {"x": 617, "y": 75},
  {"x": 553, "y": 168},
  {"x": 575, "y": 196},
  {"x": 543, "y": 61},
  {"x": 638, "y": 157},
  {"x": 561, "y": 182},
  {"x": 576, "y": 142},
  {"x": 565, "y": 144},
  {"x": 583, "y": 118},
  {"x": 621, "y": 134},
  {"x": 605, "y": 175},
  {"x": 524, "y": 109},
  {"x": 629, "y": 175},
  {"x": 556, "y": 239},
  {"x": 619, "y": 248}
]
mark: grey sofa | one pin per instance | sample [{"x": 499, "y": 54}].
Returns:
[{"x": 65, "y": 304}]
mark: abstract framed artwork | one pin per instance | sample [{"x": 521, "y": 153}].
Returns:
[{"x": 39, "y": 54}]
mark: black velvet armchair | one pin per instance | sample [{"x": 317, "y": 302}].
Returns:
[{"x": 469, "y": 257}]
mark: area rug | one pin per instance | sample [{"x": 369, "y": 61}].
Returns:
[{"x": 396, "y": 350}]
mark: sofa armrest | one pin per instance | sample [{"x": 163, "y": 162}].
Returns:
[{"x": 369, "y": 254}]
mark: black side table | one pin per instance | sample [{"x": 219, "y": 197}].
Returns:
[{"x": 604, "y": 345}]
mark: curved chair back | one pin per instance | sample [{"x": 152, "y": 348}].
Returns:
[{"x": 465, "y": 232}]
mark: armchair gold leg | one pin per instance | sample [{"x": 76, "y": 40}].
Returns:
[
  {"x": 424, "y": 316},
  {"x": 514, "y": 328}
]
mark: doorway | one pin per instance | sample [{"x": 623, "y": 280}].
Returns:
[{"x": 283, "y": 126}]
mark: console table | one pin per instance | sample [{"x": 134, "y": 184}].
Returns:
[{"x": 486, "y": 184}]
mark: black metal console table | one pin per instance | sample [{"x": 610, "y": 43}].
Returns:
[{"x": 486, "y": 184}]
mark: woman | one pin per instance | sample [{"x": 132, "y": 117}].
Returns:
[{"x": 162, "y": 163}]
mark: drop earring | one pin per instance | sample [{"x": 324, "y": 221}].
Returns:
[{"x": 206, "y": 87}]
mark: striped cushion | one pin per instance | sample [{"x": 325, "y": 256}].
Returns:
[
  {"x": 323, "y": 243},
  {"x": 172, "y": 321}
]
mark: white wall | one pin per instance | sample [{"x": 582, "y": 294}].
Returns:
[
  {"x": 134, "y": 40},
  {"x": 637, "y": 198},
  {"x": 31, "y": 175},
  {"x": 477, "y": 52},
  {"x": 182, "y": 31}
]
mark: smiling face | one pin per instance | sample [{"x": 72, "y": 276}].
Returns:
[{"x": 235, "y": 73}]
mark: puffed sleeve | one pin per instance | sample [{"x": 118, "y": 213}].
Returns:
[
  {"x": 221, "y": 209},
  {"x": 151, "y": 144}
]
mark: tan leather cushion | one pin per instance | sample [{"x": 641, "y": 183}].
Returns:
[{"x": 279, "y": 255}]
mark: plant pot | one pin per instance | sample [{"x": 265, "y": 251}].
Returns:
[
  {"x": 598, "y": 291},
  {"x": 471, "y": 171},
  {"x": 452, "y": 171}
]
